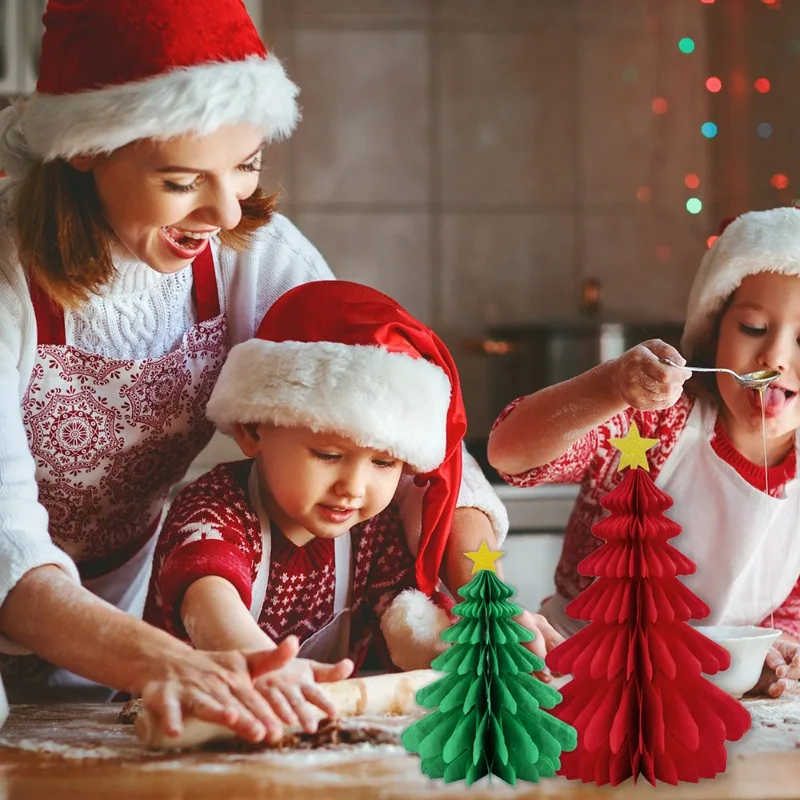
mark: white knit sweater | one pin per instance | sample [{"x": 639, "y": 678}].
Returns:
[{"x": 142, "y": 314}]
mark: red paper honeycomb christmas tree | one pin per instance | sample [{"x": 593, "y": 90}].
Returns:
[{"x": 638, "y": 698}]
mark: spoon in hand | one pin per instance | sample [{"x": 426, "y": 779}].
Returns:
[{"x": 750, "y": 380}]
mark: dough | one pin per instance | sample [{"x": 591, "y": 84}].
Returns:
[
  {"x": 392, "y": 694},
  {"x": 331, "y": 732}
]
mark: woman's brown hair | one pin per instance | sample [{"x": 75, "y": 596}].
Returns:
[{"x": 63, "y": 238}]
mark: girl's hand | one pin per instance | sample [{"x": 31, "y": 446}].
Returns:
[
  {"x": 644, "y": 383},
  {"x": 547, "y": 637},
  {"x": 294, "y": 690},
  {"x": 781, "y": 670},
  {"x": 215, "y": 687}
]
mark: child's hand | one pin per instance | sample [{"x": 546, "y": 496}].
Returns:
[
  {"x": 643, "y": 383},
  {"x": 294, "y": 690},
  {"x": 781, "y": 670},
  {"x": 547, "y": 637},
  {"x": 214, "y": 687}
]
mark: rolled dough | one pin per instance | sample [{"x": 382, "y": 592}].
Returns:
[{"x": 392, "y": 694}]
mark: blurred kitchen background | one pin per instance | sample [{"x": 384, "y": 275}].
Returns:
[{"x": 536, "y": 179}]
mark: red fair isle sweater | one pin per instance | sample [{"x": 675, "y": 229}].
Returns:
[
  {"x": 212, "y": 529},
  {"x": 592, "y": 462}
]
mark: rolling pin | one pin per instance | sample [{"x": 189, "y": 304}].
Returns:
[{"x": 394, "y": 693}]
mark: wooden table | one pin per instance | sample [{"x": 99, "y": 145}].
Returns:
[{"x": 80, "y": 752}]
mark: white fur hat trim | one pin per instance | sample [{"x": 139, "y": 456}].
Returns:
[
  {"x": 759, "y": 241},
  {"x": 387, "y": 401},
  {"x": 194, "y": 100}
]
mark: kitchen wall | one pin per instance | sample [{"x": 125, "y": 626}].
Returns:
[
  {"x": 754, "y": 48},
  {"x": 477, "y": 159}
]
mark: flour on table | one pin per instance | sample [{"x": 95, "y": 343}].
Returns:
[{"x": 776, "y": 725}]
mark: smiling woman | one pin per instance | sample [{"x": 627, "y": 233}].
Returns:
[
  {"x": 133, "y": 202},
  {"x": 135, "y": 251}
]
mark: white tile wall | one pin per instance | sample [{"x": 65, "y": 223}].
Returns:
[{"x": 477, "y": 158}]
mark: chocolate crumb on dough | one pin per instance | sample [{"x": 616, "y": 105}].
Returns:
[
  {"x": 330, "y": 732},
  {"x": 129, "y": 711}
]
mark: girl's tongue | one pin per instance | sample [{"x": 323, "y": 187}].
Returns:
[{"x": 774, "y": 401}]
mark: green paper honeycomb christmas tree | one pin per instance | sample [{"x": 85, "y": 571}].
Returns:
[{"x": 489, "y": 716}]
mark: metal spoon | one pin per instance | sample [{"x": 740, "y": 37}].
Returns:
[{"x": 750, "y": 380}]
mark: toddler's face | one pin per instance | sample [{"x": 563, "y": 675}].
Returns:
[
  {"x": 320, "y": 484},
  {"x": 761, "y": 330}
]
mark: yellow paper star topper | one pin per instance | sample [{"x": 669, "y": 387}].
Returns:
[
  {"x": 633, "y": 449},
  {"x": 484, "y": 558}
]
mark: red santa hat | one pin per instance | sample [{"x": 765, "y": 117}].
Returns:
[
  {"x": 341, "y": 357},
  {"x": 113, "y": 71},
  {"x": 758, "y": 241}
]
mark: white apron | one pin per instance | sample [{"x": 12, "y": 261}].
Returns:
[
  {"x": 330, "y": 643},
  {"x": 110, "y": 438},
  {"x": 746, "y": 544}
]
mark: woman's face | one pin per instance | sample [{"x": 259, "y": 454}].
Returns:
[
  {"x": 164, "y": 199},
  {"x": 761, "y": 330}
]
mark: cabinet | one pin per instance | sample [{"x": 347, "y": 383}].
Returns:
[
  {"x": 530, "y": 564},
  {"x": 21, "y": 28}
]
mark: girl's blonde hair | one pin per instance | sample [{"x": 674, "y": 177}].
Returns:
[{"x": 63, "y": 238}]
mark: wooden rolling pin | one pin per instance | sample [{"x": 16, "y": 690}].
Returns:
[{"x": 394, "y": 693}]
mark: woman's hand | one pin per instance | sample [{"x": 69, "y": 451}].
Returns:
[
  {"x": 215, "y": 687},
  {"x": 781, "y": 670},
  {"x": 643, "y": 382},
  {"x": 294, "y": 690},
  {"x": 546, "y": 638}
]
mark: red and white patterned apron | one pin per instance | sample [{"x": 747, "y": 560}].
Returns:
[{"x": 110, "y": 438}]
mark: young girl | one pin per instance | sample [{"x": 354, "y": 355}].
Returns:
[
  {"x": 339, "y": 392},
  {"x": 135, "y": 250},
  {"x": 744, "y": 315}
]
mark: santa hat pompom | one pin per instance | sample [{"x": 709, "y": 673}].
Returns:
[{"x": 412, "y": 628}]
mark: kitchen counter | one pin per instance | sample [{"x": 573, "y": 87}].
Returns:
[
  {"x": 538, "y": 508},
  {"x": 78, "y": 752}
]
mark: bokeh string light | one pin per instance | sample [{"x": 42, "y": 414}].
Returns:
[
  {"x": 761, "y": 85},
  {"x": 780, "y": 181},
  {"x": 710, "y": 129}
]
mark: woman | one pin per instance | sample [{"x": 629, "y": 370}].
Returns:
[{"x": 136, "y": 158}]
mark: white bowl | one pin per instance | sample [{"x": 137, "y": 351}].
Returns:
[{"x": 748, "y": 646}]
